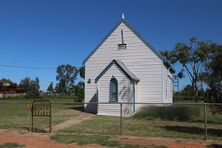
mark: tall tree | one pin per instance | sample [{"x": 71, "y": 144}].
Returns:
[
  {"x": 66, "y": 75},
  {"x": 50, "y": 88},
  {"x": 213, "y": 75},
  {"x": 37, "y": 83},
  {"x": 31, "y": 87},
  {"x": 192, "y": 56},
  {"x": 82, "y": 72}
]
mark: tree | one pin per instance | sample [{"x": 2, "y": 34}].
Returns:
[
  {"x": 81, "y": 84},
  {"x": 66, "y": 75},
  {"x": 36, "y": 83},
  {"x": 78, "y": 91},
  {"x": 4, "y": 80},
  {"x": 50, "y": 88},
  {"x": 82, "y": 72},
  {"x": 213, "y": 76},
  {"x": 31, "y": 87},
  {"x": 213, "y": 79},
  {"x": 192, "y": 56},
  {"x": 169, "y": 55}
]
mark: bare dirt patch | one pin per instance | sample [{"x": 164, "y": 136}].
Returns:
[
  {"x": 32, "y": 141},
  {"x": 36, "y": 140}
]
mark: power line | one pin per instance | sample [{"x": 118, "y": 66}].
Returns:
[{"x": 27, "y": 67}]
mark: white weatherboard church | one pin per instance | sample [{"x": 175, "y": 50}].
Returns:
[{"x": 126, "y": 68}]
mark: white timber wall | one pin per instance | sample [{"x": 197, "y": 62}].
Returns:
[
  {"x": 124, "y": 94},
  {"x": 137, "y": 57},
  {"x": 167, "y": 86}
]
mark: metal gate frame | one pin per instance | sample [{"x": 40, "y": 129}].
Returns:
[{"x": 41, "y": 108}]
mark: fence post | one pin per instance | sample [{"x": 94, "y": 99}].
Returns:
[
  {"x": 30, "y": 116},
  {"x": 121, "y": 118},
  {"x": 50, "y": 118},
  {"x": 205, "y": 120},
  {"x": 32, "y": 125}
]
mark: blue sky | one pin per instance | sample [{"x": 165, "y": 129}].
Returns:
[{"x": 46, "y": 33}]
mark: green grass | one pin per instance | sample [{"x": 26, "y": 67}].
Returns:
[
  {"x": 82, "y": 139},
  {"x": 142, "y": 127},
  {"x": 170, "y": 112},
  {"x": 11, "y": 145},
  {"x": 17, "y": 115}
]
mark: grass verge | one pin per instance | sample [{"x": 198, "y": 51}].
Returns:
[
  {"x": 11, "y": 145},
  {"x": 82, "y": 139},
  {"x": 142, "y": 127}
]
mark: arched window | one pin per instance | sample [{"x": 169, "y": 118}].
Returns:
[{"x": 113, "y": 90}]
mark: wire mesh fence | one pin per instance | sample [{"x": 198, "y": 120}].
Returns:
[{"x": 176, "y": 120}]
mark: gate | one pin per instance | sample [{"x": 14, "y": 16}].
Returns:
[{"x": 41, "y": 108}]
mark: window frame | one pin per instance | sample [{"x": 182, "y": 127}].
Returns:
[{"x": 113, "y": 79}]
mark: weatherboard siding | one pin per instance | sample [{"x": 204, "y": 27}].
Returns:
[
  {"x": 137, "y": 57},
  {"x": 167, "y": 86},
  {"x": 123, "y": 92}
]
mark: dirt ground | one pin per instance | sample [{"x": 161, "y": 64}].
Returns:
[
  {"x": 38, "y": 141},
  {"x": 43, "y": 141}
]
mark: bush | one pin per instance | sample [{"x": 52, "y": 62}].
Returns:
[{"x": 171, "y": 112}]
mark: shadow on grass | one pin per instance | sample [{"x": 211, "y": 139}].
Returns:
[
  {"x": 194, "y": 130},
  {"x": 36, "y": 130},
  {"x": 209, "y": 121},
  {"x": 78, "y": 108},
  {"x": 215, "y": 146},
  {"x": 102, "y": 132}
]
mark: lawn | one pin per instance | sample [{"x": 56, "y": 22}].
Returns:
[
  {"x": 17, "y": 114},
  {"x": 144, "y": 127}
]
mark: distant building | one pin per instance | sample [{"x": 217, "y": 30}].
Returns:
[{"x": 11, "y": 89}]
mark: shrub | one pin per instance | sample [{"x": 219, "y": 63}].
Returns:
[{"x": 171, "y": 112}]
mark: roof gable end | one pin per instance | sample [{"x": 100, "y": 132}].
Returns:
[
  {"x": 165, "y": 61},
  {"x": 122, "y": 67}
]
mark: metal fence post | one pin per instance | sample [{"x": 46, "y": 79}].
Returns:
[
  {"x": 121, "y": 118},
  {"x": 205, "y": 120},
  {"x": 50, "y": 118},
  {"x": 32, "y": 118}
]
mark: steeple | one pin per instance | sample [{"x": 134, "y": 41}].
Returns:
[{"x": 123, "y": 17}]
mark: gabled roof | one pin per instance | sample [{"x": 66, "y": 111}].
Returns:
[
  {"x": 122, "y": 67},
  {"x": 165, "y": 61}
]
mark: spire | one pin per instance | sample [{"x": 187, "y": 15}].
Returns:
[{"x": 123, "y": 17}]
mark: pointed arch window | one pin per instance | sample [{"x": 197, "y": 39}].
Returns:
[{"x": 113, "y": 90}]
